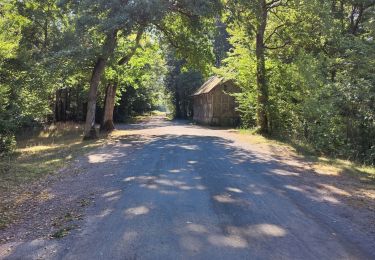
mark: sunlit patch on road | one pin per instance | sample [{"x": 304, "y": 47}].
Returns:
[{"x": 137, "y": 211}]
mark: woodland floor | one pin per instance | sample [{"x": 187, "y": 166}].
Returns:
[{"x": 172, "y": 190}]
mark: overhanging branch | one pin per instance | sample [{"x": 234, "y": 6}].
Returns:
[{"x": 126, "y": 58}]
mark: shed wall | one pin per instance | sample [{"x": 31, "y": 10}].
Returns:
[
  {"x": 203, "y": 108},
  {"x": 224, "y": 112},
  {"x": 217, "y": 107}
]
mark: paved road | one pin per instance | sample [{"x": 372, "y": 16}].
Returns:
[{"x": 178, "y": 191}]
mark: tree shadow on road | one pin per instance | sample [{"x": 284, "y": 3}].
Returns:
[{"x": 202, "y": 196}]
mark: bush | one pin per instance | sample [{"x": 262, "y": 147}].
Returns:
[
  {"x": 7, "y": 130},
  {"x": 7, "y": 144},
  {"x": 370, "y": 156}
]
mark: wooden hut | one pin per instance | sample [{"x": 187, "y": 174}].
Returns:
[{"x": 213, "y": 104}]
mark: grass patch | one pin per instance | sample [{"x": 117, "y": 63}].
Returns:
[
  {"x": 333, "y": 166},
  {"x": 329, "y": 166},
  {"x": 158, "y": 113},
  {"x": 39, "y": 153},
  {"x": 63, "y": 232},
  {"x": 142, "y": 117},
  {"x": 320, "y": 164},
  {"x": 252, "y": 136}
]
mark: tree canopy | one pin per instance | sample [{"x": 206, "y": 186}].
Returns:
[{"x": 305, "y": 67}]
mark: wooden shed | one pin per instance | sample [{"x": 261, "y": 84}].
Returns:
[{"x": 213, "y": 104}]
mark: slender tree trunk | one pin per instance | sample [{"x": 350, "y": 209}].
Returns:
[
  {"x": 68, "y": 112},
  {"x": 61, "y": 105},
  {"x": 178, "y": 106},
  {"x": 262, "y": 109},
  {"x": 57, "y": 106},
  {"x": 109, "y": 106},
  {"x": 108, "y": 49}
]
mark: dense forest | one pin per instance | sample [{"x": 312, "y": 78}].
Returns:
[{"x": 306, "y": 67}]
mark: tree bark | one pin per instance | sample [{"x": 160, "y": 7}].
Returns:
[
  {"x": 61, "y": 105},
  {"x": 57, "y": 106},
  {"x": 108, "y": 49},
  {"x": 262, "y": 87},
  {"x": 90, "y": 131},
  {"x": 109, "y": 106}
]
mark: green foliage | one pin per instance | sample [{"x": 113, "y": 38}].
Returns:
[
  {"x": 141, "y": 81},
  {"x": 319, "y": 63},
  {"x": 31, "y": 67},
  {"x": 190, "y": 42},
  {"x": 10, "y": 25},
  {"x": 7, "y": 144},
  {"x": 320, "y": 72}
]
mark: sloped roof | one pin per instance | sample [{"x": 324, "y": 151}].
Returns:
[{"x": 209, "y": 85}]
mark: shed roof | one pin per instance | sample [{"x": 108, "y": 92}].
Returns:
[{"x": 209, "y": 85}]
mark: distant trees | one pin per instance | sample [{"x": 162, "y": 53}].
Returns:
[{"x": 182, "y": 84}]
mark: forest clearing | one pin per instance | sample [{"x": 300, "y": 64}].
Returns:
[{"x": 187, "y": 129}]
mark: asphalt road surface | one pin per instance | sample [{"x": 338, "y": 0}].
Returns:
[{"x": 172, "y": 190}]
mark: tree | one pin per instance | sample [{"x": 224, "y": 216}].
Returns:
[
  {"x": 318, "y": 68},
  {"x": 140, "y": 78},
  {"x": 113, "y": 19},
  {"x": 107, "y": 123},
  {"x": 253, "y": 16},
  {"x": 182, "y": 84},
  {"x": 11, "y": 24}
]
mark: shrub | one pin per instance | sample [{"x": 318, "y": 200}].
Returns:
[{"x": 7, "y": 144}]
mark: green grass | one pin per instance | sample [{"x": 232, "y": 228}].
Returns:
[
  {"x": 63, "y": 232},
  {"x": 321, "y": 164},
  {"x": 331, "y": 165}
]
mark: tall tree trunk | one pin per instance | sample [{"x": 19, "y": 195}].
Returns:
[
  {"x": 61, "y": 105},
  {"x": 109, "y": 106},
  {"x": 262, "y": 109},
  {"x": 110, "y": 98},
  {"x": 90, "y": 131},
  {"x": 178, "y": 106},
  {"x": 57, "y": 106},
  {"x": 108, "y": 49}
]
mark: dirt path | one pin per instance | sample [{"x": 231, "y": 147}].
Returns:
[{"x": 170, "y": 190}]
